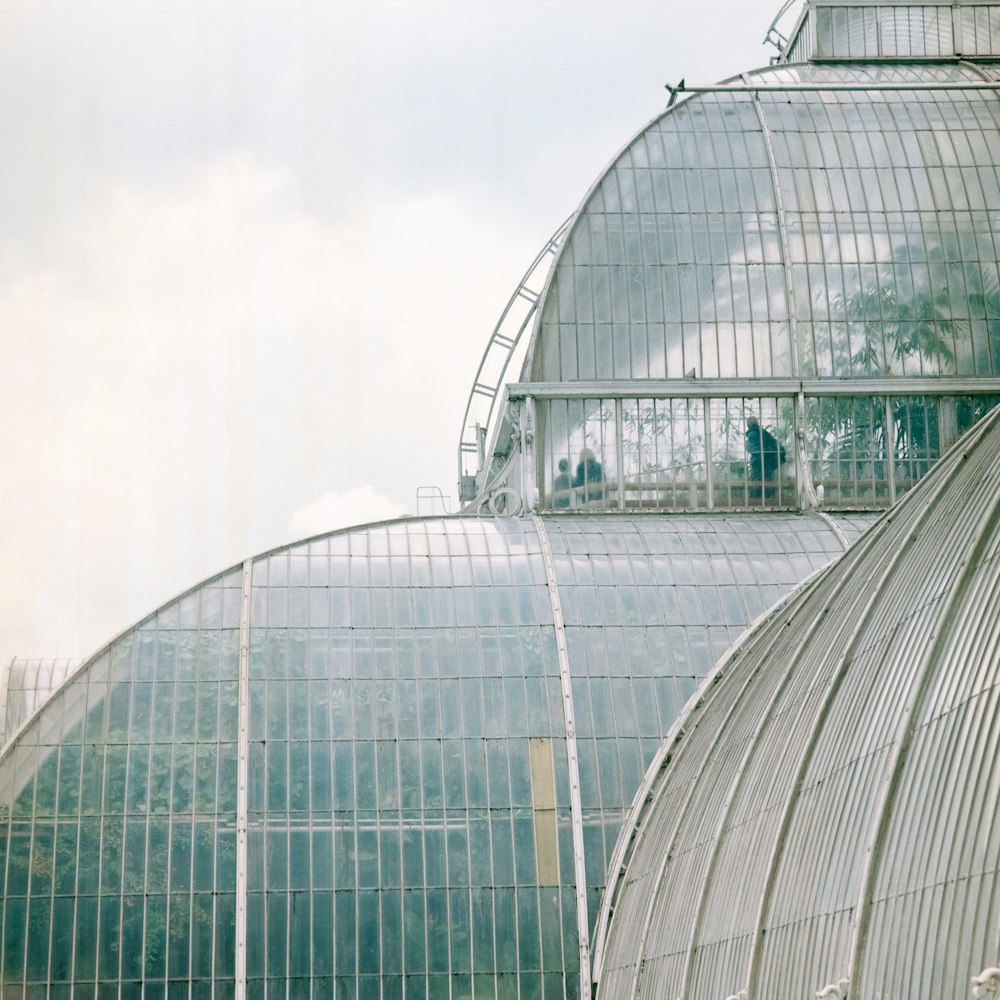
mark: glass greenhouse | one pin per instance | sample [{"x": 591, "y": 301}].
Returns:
[
  {"x": 24, "y": 687},
  {"x": 824, "y": 821},
  {"x": 821, "y": 231},
  {"x": 393, "y": 762}
]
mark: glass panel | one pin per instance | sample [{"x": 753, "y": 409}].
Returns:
[
  {"x": 580, "y": 439},
  {"x": 752, "y": 458},
  {"x": 408, "y": 787},
  {"x": 668, "y": 446},
  {"x": 848, "y": 441},
  {"x": 664, "y": 453},
  {"x": 923, "y": 427}
]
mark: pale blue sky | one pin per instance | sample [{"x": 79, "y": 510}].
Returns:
[{"x": 250, "y": 254}]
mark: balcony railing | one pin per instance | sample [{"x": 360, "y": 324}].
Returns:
[{"x": 706, "y": 444}]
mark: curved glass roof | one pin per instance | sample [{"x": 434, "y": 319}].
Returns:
[
  {"x": 776, "y": 232},
  {"x": 891, "y": 29},
  {"x": 391, "y": 761},
  {"x": 809, "y": 248},
  {"x": 823, "y": 820},
  {"x": 24, "y": 686}
]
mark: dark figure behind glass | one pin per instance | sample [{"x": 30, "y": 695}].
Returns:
[
  {"x": 561, "y": 485},
  {"x": 764, "y": 455},
  {"x": 589, "y": 477}
]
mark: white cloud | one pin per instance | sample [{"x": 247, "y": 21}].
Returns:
[
  {"x": 331, "y": 511},
  {"x": 198, "y": 341},
  {"x": 185, "y": 366}
]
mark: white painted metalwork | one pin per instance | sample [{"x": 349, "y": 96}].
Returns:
[
  {"x": 734, "y": 388},
  {"x": 870, "y": 86},
  {"x": 573, "y": 763},
  {"x": 835, "y": 991},
  {"x": 981, "y": 537},
  {"x": 786, "y": 256},
  {"x": 519, "y": 465},
  {"x": 805, "y": 490},
  {"x": 834, "y": 527},
  {"x": 242, "y": 766},
  {"x": 849, "y": 31},
  {"x": 478, "y": 417},
  {"x": 752, "y": 745},
  {"x": 846, "y": 648},
  {"x": 878, "y": 681},
  {"x": 504, "y": 488},
  {"x": 199, "y": 644},
  {"x": 646, "y": 808},
  {"x": 413, "y": 630},
  {"x": 830, "y": 226},
  {"x": 987, "y": 983},
  {"x": 25, "y": 685},
  {"x": 741, "y": 771}
]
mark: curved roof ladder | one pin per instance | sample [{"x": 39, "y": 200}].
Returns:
[
  {"x": 493, "y": 366},
  {"x": 774, "y": 36}
]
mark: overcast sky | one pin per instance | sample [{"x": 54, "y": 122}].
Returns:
[{"x": 251, "y": 253}]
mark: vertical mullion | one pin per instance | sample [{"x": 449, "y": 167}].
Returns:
[
  {"x": 169, "y": 880},
  {"x": 242, "y": 768},
  {"x": 286, "y": 819},
  {"x": 100, "y": 836},
  {"x": 799, "y": 454},
  {"x": 569, "y": 719},
  {"x": 145, "y": 880},
  {"x": 309, "y": 785},
  {"x": 216, "y": 674},
  {"x": 76, "y": 859},
  {"x": 782, "y": 220},
  {"x": 890, "y": 448},
  {"x": 121, "y": 883},
  {"x": 706, "y": 416},
  {"x": 28, "y": 899},
  {"x": 620, "y": 452},
  {"x": 55, "y": 847}
]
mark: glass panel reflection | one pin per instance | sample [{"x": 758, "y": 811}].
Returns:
[
  {"x": 678, "y": 263},
  {"x": 409, "y": 816}
]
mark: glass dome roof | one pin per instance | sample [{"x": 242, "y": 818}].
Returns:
[
  {"x": 24, "y": 687},
  {"x": 781, "y": 232},
  {"x": 809, "y": 248},
  {"x": 823, "y": 818},
  {"x": 392, "y": 762},
  {"x": 388, "y": 762}
]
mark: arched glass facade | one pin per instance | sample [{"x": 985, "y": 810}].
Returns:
[
  {"x": 24, "y": 687},
  {"x": 823, "y": 820},
  {"x": 772, "y": 232},
  {"x": 810, "y": 247},
  {"x": 413, "y": 790},
  {"x": 392, "y": 762}
]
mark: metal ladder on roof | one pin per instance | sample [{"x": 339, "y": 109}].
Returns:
[{"x": 514, "y": 320}]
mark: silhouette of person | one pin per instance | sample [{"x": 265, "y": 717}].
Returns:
[
  {"x": 589, "y": 476},
  {"x": 562, "y": 485},
  {"x": 764, "y": 453}
]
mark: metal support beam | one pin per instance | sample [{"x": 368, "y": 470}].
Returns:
[
  {"x": 835, "y": 676},
  {"x": 514, "y": 320},
  {"x": 826, "y": 88},
  {"x": 242, "y": 769},
  {"x": 706, "y": 417},
  {"x": 924, "y": 679},
  {"x": 573, "y": 763},
  {"x": 620, "y": 453},
  {"x": 741, "y": 388},
  {"x": 890, "y": 449},
  {"x": 805, "y": 490},
  {"x": 786, "y": 257}
]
